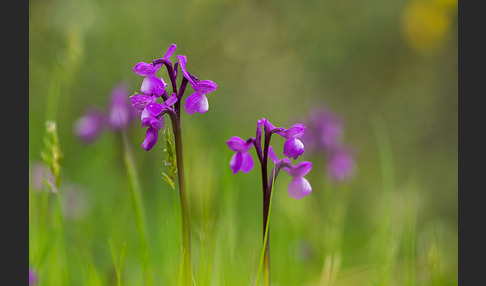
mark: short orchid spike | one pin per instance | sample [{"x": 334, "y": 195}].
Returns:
[
  {"x": 298, "y": 188},
  {"x": 198, "y": 100}
]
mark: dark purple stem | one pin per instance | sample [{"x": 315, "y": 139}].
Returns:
[
  {"x": 175, "y": 116},
  {"x": 266, "y": 205}
]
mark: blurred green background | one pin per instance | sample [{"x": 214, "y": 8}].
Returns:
[{"x": 388, "y": 68}]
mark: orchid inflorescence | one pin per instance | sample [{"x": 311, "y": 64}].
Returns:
[
  {"x": 324, "y": 137},
  {"x": 153, "y": 87},
  {"x": 119, "y": 116},
  {"x": 152, "y": 116},
  {"x": 293, "y": 148}
]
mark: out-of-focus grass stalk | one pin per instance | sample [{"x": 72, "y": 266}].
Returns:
[
  {"x": 53, "y": 93},
  {"x": 91, "y": 277},
  {"x": 52, "y": 156},
  {"x": 137, "y": 201},
  {"x": 434, "y": 259},
  {"x": 387, "y": 230},
  {"x": 333, "y": 233},
  {"x": 410, "y": 238},
  {"x": 118, "y": 262},
  {"x": 207, "y": 240},
  {"x": 264, "y": 263}
]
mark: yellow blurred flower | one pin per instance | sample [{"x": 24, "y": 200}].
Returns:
[{"x": 425, "y": 24}]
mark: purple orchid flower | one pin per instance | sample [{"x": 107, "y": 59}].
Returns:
[
  {"x": 293, "y": 147},
  {"x": 152, "y": 116},
  {"x": 299, "y": 186},
  {"x": 241, "y": 160},
  {"x": 198, "y": 100},
  {"x": 324, "y": 136},
  {"x": 341, "y": 165},
  {"x": 153, "y": 85},
  {"x": 119, "y": 116},
  {"x": 120, "y": 111},
  {"x": 325, "y": 130},
  {"x": 89, "y": 126}
]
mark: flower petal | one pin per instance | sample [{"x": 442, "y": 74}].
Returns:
[
  {"x": 182, "y": 63},
  {"x": 196, "y": 102},
  {"x": 293, "y": 148},
  {"x": 235, "y": 162},
  {"x": 171, "y": 100},
  {"x": 154, "y": 109},
  {"x": 272, "y": 155},
  {"x": 119, "y": 116},
  {"x": 296, "y": 131},
  {"x": 237, "y": 144},
  {"x": 247, "y": 162},
  {"x": 150, "y": 138},
  {"x": 301, "y": 169},
  {"x": 155, "y": 123},
  {"x": 89, "y": 126},
  {"x": 144, "y": 69},
  {"x": 341, "y": 165},
  {"x": 153, "y": 85},
  {"x": 170, "y": 51},
  {"x": 139, "y": 101},
  {"x": 299, "y": 187},
  {"x": 206, "y": 86}
]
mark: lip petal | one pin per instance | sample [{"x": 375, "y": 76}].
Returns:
[
  {"x": 298, "y": 188},
  {"x": 235, "y": 162},
  {"x": 152, "y": 85},
  {"x": 196, "y": 102},
  {"x": 151, "y": 137},
  {"x": 247, "y": 162}
]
